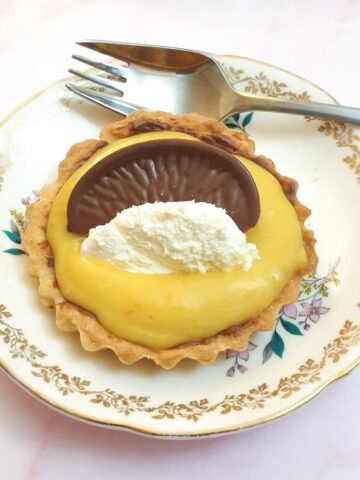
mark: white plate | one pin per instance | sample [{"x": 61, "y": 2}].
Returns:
[{"x": 191, "y": 400}]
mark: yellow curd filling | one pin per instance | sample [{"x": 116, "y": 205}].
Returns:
[{"x": 161, "y": 311}]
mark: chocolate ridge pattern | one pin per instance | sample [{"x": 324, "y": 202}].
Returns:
[{"x": 167, "y": 170}]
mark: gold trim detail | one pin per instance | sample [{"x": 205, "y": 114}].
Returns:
[
  {"x": 307, "y": 373},
  {"x": 343, "y": 136},
  {"x": 260, "y": 83}
]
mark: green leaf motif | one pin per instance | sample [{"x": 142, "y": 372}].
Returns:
[
  {"x": 277, "y": 344},
  {"x": 14, "y": 227},
  {"x": 236, "y": 117},
  {"x": 267, "y": 352},
  {"x": 324, "y": 290},
  {"x": 232, "y": 125},
  {"x": 14, "y": 237},
  {"x": 247, "y": 119},
  {"x": 14, "y": 251},
  {"x": 306, "y": 288},
  {"x": 291, "y": 327}
]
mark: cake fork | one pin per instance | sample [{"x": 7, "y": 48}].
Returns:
[{"x": 180, "y": 81}]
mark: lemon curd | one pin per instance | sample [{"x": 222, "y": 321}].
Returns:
[{"x": 164, "y": 310}]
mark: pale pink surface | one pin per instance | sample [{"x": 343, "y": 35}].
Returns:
[{"x": 316, "y": 39}]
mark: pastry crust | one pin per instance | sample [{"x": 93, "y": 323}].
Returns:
[{"x": 93, "y": 335}]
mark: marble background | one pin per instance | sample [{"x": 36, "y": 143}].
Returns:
[{"x": 317, "y": 39}]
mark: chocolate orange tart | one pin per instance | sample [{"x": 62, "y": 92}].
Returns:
[{"x": 181, "y": 312}]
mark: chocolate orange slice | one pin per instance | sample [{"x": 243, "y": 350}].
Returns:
[{"x": 167, "y": 170}]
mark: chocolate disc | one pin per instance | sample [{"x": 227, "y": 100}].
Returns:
[{"x": 163, "y": 171}]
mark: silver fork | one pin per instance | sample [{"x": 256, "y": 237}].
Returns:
[{"x": 180, "y": 81}]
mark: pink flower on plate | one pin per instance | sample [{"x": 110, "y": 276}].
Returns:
[
  {"x": 242, "y": 368},
  {"x": 230, "y": 372},
  {"x": 231, "y": 353},
  {"x": 289, "y": 310},
  {"x": 243, "y": 355},
  {"x": 313, "y": 310}
]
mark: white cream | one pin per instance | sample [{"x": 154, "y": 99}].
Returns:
[{"x": 171, "y": 237}]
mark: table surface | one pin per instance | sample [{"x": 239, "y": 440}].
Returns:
[{"x": 316, "y": 39}]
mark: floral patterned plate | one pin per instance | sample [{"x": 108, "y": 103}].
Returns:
[{"x": 316, "y": 339}]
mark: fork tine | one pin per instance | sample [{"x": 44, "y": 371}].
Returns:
[
  {"x": 112, "y": 69},
  {"x": 104, "y": 82},
  {"x": 109, "y": 101}
]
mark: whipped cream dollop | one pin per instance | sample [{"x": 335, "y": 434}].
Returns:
[{"x": 169, "y": 237}]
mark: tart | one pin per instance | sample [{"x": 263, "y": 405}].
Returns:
[{"x": 167, "y": 318}]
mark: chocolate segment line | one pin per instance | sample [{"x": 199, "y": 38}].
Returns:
[{"x": 166, "y": 170}]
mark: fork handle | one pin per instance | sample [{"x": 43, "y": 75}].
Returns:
[{"x": 324, "y": 110}]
